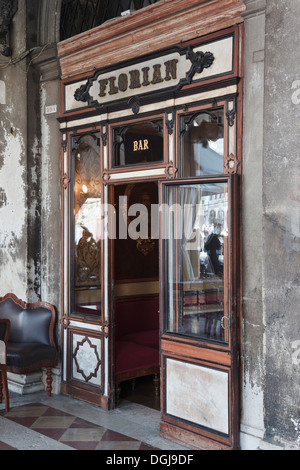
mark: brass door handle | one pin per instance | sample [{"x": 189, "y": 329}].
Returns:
[{"x": 223, "y": 320}]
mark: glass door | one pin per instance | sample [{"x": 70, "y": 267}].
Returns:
[{"x": 198, "y": 347}]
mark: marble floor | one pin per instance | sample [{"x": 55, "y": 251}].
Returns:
[{"x": 36, "y": 422}]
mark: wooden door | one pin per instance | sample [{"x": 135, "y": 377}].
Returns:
[{"x": 199, "y": 324}]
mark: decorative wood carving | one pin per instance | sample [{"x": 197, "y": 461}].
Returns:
[
  {"x": 82, "y": 94},
  {"x": 104, "y": 134},
  {"x": 135, "y": 105},
  {"x": 99, "y": 90},
  {"x": 65, "y": 181},
  {"x": 170, "y": 124},
  {"x": 145, "y": 246},
  {"x": 230, "y": 113},
  {"x": 65, "y": 322},
  {"x": 200, "y": 61},
  {"x": 105, "y": 177},
  {"x": 171, "y": 170},
  {"x": 231, "y": 164}
]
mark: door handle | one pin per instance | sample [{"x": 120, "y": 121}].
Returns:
[{"x": 228, "y": 322}]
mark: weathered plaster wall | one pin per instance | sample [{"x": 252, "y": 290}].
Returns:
[
  {"x": 30, "y": 167},
  {"x": 271, "y": 226},
  {"x": 281, "y": 222},
  {"x": 252, "y": 419},
  {"x": 13, "y": 166}
]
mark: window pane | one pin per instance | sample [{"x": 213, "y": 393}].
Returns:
[
  {"x": 87, "y": 225},
  {"x": 202, "y": 144},
  {"x": 138, "y": 144},
  {"x": 78, "y": 16},
  {"x": 196, "y": 232}
]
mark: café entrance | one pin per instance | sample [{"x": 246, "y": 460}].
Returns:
[{"x": 151, "y": 228}]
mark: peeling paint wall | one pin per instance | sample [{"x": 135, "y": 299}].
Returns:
[
  {"x": 281, "y": 229},
  {"x": 13, "y": 168},
  {"x": 271, "y": 226},
  {"x": 30, "y": 166}
]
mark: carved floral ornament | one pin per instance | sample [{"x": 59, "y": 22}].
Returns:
[
  {"x": 171, "y": 170},
  {"x": 231, "y": 164}
]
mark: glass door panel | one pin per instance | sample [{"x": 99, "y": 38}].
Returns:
[
  {"x": 86, "y": 232},
  {"x": 198, "y": 242},
  {"x": 199, "y": 325}
]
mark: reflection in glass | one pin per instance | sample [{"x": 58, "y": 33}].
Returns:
[
  {"x": 197, "y": 243},
  {"x": 87, "y": 225},
  {"x": 202, "y": 144},
  {"x": 138, "y": 143}
]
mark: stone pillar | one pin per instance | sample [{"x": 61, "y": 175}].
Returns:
[
  {"x": 281, "y": 223},
  {"x": 252, "y": 387}
]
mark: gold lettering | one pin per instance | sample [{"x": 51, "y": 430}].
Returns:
[{"x": 140, "y": 145}]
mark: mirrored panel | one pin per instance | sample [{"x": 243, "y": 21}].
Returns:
[
  {"x": 196, "y": 259},
  {"x": 86, "y": 229},
  {"x": 138, "y": 144},
  {"x": 202, "y": 143}
]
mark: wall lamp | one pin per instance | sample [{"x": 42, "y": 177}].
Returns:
[{"x": 8, "y": 9}]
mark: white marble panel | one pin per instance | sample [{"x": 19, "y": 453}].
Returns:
[{"x": 197, "y": 394}]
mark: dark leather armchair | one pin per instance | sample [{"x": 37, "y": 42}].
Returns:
[
  {"x": 4, "y": 334},
  {"x": 31, "y": 344}
]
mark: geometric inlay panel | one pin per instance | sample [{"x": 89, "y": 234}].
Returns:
[{"x": 87, "y": 359}]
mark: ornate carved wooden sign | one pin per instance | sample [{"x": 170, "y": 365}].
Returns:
[
  {"x": 159, "y": 73},
  {"x": 167, "y": 71}
]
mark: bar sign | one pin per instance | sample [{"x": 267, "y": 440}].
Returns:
[{"x": 51, "y": 109}]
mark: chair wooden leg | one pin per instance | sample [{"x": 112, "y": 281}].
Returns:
[
  {"x": 5, "y": 388},
  {"x": 49, "y": 381}
]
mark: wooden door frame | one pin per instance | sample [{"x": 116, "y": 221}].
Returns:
[
  {"x": 229, "y": 356},
  {"x": 111, "y": 296}
]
